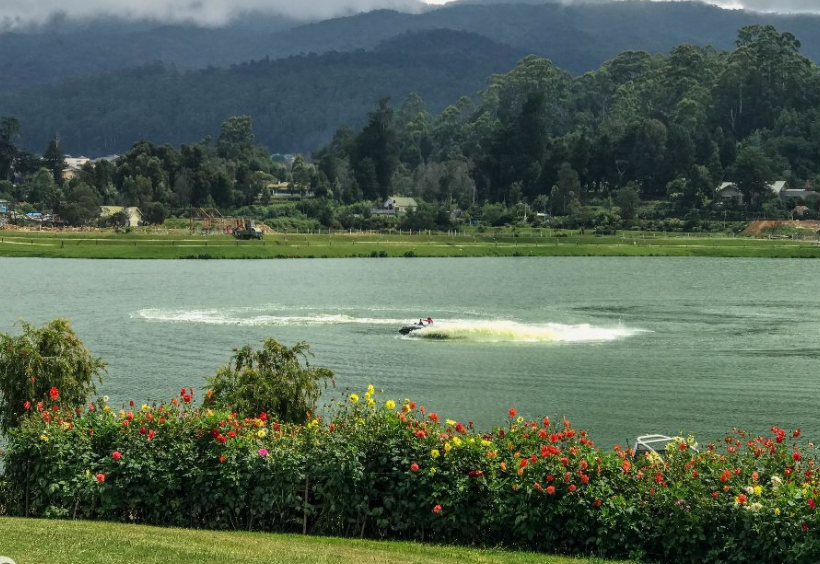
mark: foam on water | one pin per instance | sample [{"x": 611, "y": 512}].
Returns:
[
  {"x": 512, "y": 331},
  {"x": 244, "y": 317},
  {"x": 475, "y": 330}
]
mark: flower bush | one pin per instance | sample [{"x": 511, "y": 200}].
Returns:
[{"x": 379, "y": 468}]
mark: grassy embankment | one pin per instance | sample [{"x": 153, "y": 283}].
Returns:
[
  {"x": 148, "y": 245},
  {"x": 30, "y": 541}
]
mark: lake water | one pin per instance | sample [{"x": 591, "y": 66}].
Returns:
[{"x": 621, "y": 346}]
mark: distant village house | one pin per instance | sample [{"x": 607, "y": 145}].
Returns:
[
  {"x": 399, "y": 204},
  {"x": 729, "y": 192},
  {"x": 73, "y": 166},
  {"x": 133, "y": 216}
]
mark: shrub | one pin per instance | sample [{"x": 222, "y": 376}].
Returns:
[
  {"x": 381, "y": 470},
  {"x": 40, "y": 364},
  {"x": 270, "y": 380}
]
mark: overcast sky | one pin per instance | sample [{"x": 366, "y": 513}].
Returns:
[{"x": 214, "y": 12}]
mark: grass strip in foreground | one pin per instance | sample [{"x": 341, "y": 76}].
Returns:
[{"x": 32, "y": 541}]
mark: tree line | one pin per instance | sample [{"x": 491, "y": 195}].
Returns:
[{"x": 641, "y": 137}]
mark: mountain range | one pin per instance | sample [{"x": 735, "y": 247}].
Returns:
[{"x": 300, "y": 81}]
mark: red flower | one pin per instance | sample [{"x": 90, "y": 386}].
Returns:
[
  {"x": 27, "y": 405},
  {"x": 550, "y": 490},
  {"x": 806, "y": 527},
  {"x": 572, "y": 488},
  {"x": 182, "y": 392},
  {"x": 565, "y": 461},
  {"x": 116, "y": 455},
  {"x": 414, "y": 467},
  {"x": 186, "y": 398},
  {"x": 584, "y": 479},
  {"x": 100, "y": 477},
  {"x": 741, "y": 498},
  {"x": 550, "y": 478},
  {"x": 222, "y": 439},
  {"x": 796, "y": 434},
  {"x": 151, "y": 434},
  {"x": 433, "y": 417},
  {"x": 598, "y": 502},
  {"x": 796, "y": 456},
  {"x": 715, "y": 494},
  {"x": 54, "y": 394},
  {"x": 513, "y": 412},
  {"x": 437, "y": 509},
  {"x": 131, "y": 403},
  {"x": 143, "y": 430},
  {"x": 725, "y": 476},
  {"x": 812, "y": 503},
  {"x": 263, "y": 416},
  {"x": 222, "y": 458}
]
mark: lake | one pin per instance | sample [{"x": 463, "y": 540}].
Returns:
[{"x": 621, "y": 346}]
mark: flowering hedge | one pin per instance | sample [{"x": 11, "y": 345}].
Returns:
[{"x": 381, "y": 470}]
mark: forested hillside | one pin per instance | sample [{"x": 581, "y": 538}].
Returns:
[
  {"x": 669, "y": 127},
  {"x": 578, "y": 38},
  {"x": 639, "y": 141},
  {"x": 296, "y": 103}
]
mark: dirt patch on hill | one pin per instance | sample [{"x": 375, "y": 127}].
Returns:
[{"x": 765, "y": 226}]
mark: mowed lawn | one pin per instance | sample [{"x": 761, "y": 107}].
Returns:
[
  {"x": 30, "y": 541},
  {"x": 149, "y": 245}
]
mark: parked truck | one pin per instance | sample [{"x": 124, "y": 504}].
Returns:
[{"x": 247, "y": 231}]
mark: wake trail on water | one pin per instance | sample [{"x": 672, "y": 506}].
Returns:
[
  {"x": 231, "y": 317},
  {"x": 470, "y": 330},
  {"x": 513, "y": 331}
]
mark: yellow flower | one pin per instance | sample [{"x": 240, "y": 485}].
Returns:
[
  {"x": 435, "y": 453},
  {"x": 757, "y": 490},
  {"x": 122, "y": 413},
  {"x": 313, "y": 424},
  {"x": 520, "y": 419},
  {"x": 261, "y": 433},
  {"x": 433, "y": 470},
  {"x": 354, "y": 398},
  {"x": 447, "y": 447},
  {"x": 106, "y": 409},
  {"x": 370, "y": 389},
  {"x": 44, "y": 438},
  {"x": 390, "y": 404},
  {"x": 210, "y": 413},
  {"x": 451, "y": 422},
  {"x": 777, "y": 511},
  {"x": 145, "y": 407},
  {"x": 456, "y": 441},
  {"x": 485, "y": 442},
  {"x": 371, "y": 403}
]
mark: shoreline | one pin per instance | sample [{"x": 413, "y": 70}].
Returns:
[{"x": 289, "y": 246}]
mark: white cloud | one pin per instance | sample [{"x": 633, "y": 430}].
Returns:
[
  {"x": 214, "y": 12},
  {"x": 206, "y": 12}
]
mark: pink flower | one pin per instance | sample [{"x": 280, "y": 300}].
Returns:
[{"x": 262, "y": 452}]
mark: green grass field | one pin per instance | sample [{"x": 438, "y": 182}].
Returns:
[
  {"x": 148, "y": 245},
  {"x": 30, "y": 541}
]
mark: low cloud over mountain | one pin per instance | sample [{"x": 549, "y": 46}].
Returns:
[{"x": 20, "y": 14}]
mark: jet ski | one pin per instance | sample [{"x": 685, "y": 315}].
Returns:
[{"x": 407, "y": 329}]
